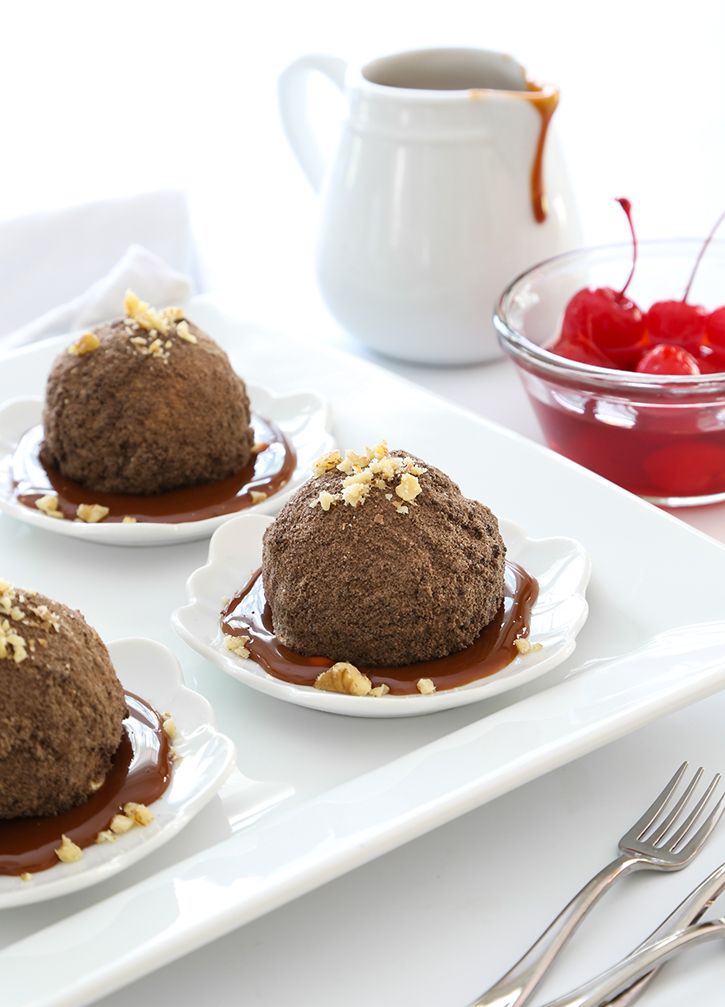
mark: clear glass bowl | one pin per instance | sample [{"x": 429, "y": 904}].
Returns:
[{"x": 660, "y": 437}]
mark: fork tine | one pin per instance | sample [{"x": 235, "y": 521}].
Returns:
[
  {"x": 679, "y": 836},
  {"x": 674, "y": 815},
  {"x": 703, "y": 832},
  {"x": 659, "y": 805}
]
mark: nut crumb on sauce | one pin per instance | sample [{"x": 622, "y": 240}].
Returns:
[
  {"x": 105, "y": 836},
  {"x": 259, "y": 446},
  {"x": 380, "y": 690},
  {"x": 138, "y": 813},
  {"x": 86, "y": 343},
  {"x": 48, "y": 504},
  {"x": 344, "y": 677},
  {"x": 68, "y": 852},
  {"x": 121, "y": 824},
  {"x": 169, "y": 726},
  {"x": 127, "y": 519},
  {"x": 92, "y": 513},
  {"x": 426, "y": 686},
  {"x": 257, "y": 496},
  {"x": 237, "y": 645},
  {"x": 525, "y": 646},
  {"x": 26, "y": 876}
]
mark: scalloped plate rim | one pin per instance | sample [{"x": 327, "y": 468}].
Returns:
[
  {"x": 157, "y": 533},
  {"x": 249, "y": 673},
  {"x": 110, "y": 860}
]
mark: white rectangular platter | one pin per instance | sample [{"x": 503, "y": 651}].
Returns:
[{"x": 331, "y": 793}]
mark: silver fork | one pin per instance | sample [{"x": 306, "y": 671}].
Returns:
[
  {"x": 661, "y": 840},
  {"x": 625, "y": 982}
]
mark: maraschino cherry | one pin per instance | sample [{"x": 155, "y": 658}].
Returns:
[
  {"x": 603, "y": 326},
  {"x": 679, "y": 323},
  {"x": 667, "y": 359}
]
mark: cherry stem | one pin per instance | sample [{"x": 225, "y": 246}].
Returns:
[
  {"x": 627, "y": 207},
  {"x": 698, "y": 260}
]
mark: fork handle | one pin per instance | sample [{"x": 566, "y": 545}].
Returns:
[
  {"x": 515, "y": 987},
  {"x": 638, "y": 965}
]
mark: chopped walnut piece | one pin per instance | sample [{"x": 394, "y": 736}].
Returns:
[
  {"x": 380, "y": 690},
  {"x": 173, "y": 314},
  {"x": 326, "y": 500},
  {"x": 408, "y": 488},
  {"x": 48, "y": 618},
  {"x": 169, "y": 726},
  {"x": 326, "y": 462},
  {"x": 425, "y": 686},
  {"x": 140, "y": 814},
  {"x": 106, "y": 836},
  {"x": 68, "y": 852},
  {"x": 184, "y": 332},
  {"x": 86, "y": 343},
  {"x": 127, "y": 519},
  {"x": 355, "y": 494},
  {"x": 525, "y": 646},
  {"x": 121, "y": 824},
  {"x": 48, "y": 504},
  {"x": 144, "y": 315},
  {"x": 11, "y": 643},
  {"x": 344, "y": 677},
  {"x": 92, "y": 513},
  {"x": 26, "y": 876},
  {"x": 257, "y": 496},
  {"x": 237, "y": 645}
]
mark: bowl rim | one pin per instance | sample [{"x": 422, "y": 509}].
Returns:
[{"x": 535, "y": 358}]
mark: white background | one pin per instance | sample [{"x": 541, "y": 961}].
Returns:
[{"x": 103, "y": 100}]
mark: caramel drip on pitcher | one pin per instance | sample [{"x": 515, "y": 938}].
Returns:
[{"x": 545, "y": 100}]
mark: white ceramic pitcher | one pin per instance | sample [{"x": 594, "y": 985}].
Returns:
[{"x": 434, "y": 199}]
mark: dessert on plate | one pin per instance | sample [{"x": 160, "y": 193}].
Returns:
[
  {"x": 380, "y": 576},
  {"x": 144, "y": 404},
  {"x": 80, "y": 759},
  {"x": 146, "y": 420}
]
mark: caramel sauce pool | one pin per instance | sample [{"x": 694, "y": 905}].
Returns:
[
  {"x": 140, "y": 772},
  {"x": 248, "y": 614},
  {"x": 267, "y": 472}
]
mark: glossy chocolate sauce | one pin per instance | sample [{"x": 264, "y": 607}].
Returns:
[
  {"x": 267, "y": 472},
  {"x": 248, "y": 614},
  {"x": 140, "y": 772}
]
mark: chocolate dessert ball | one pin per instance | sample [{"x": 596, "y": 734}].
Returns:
[
  {"x": 145, "y": 404},
  {"x": 380, "y": 560},
  {"x": 61, "y": 706}
]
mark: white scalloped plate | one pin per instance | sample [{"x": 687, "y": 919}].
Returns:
[
  {"x": 560, "y": 565},
  {"x": 206, "y": 758},
  {"x": 303, "y": 416}
]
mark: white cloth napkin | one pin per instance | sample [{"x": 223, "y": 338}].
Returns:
[{"x": 69, "y": 270}]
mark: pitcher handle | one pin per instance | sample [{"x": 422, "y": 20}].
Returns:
[{"x": 293, "y": 107}]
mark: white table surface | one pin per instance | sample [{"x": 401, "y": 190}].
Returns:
[{"x": 434, "y": 922}]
